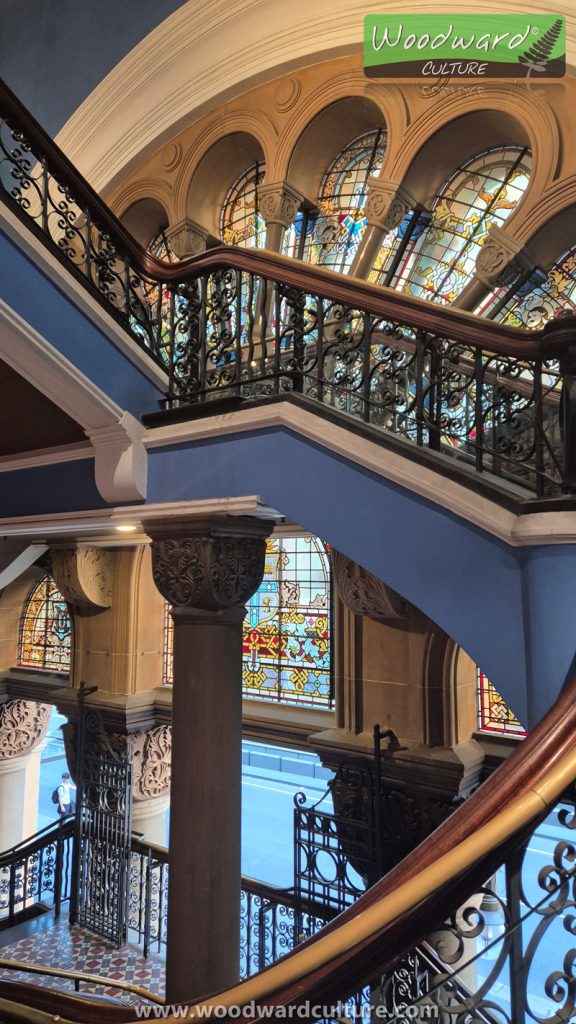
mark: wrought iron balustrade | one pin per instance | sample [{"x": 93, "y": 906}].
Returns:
[
  {"x": 37, "y": 872},
  {"x": 254, "y": 324}
]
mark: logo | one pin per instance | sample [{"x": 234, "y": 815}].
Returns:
[{"x": 471, "y": 46}]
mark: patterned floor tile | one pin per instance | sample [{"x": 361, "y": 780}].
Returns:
[{"x": 72, "y": 948}]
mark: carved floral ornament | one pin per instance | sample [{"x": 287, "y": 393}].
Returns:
[
  {"x": 84, "y": 575},
  {"x": 387, "y": 205},
  {"x": 279, "y": 203},
  {"x": 150, "y": 754},
  {"x": 364, "y": 594},
  {"x": 212, "y": 570},
  {"x": 23, "y": 724}
]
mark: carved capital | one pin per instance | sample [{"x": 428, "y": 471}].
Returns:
[
  {"x": 150, "y": 754},
  {"x": 84, "y": 575},
  {"x": 501, "y": 259},
  {"x": 279, "y": 203},
  {"x": 187, "y": 238},
  {"x": 23, "y": 724},
  {"x": 387, "y": 204},
  {"x": 208, "y": 565},
  {"x": 364, "y": 594}
]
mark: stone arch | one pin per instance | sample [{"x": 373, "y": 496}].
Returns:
[
  {"x": 144, "y": 218},
  {"x": 234, "y": 139}
]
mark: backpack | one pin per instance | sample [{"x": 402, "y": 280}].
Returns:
[{"x": 55, "y": 797}]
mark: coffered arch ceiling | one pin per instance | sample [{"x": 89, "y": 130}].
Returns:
[{"x": 213, "y": 51}]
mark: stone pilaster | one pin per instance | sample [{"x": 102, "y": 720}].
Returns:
[{"x": 207, "y": 570}]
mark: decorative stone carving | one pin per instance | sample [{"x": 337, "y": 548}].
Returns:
[
  {"x": 84, "y": 575},
  {"x": 279, "y": 203},
  {"x": 186, "y": 239},
  {"x": 150, "y": 754},
  {"x": 501, "y": 259},
  {"x": 286, "y": 94},
  {"x": 364, "y": 594},
  {"x": 171, "y": 155},
  {"x": 208, "y": 566},
  {"x": 23, "y": 724},
  {"x": 387, "y": 204}
]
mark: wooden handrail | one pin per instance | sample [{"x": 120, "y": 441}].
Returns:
[{"x": 458, "y": 325}]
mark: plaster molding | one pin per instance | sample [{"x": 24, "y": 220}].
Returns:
[
  {"x": 120, "y": 466},
  {"x": 41, "y": 256},
  {"x": 46, "y": 457}
]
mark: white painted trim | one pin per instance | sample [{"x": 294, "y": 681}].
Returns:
[
  {"x": 81, "y": 297},
  {"x": 204, "y": 53},
  {"x": 23, "y": 561},
  {"x": 46, "y": 457},
  {"x": 103, "y": 521},
  {"x": 35, "y": 359},
  {"x": 518, "y": 531}
]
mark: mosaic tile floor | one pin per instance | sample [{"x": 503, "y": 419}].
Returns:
[{"x": 71, "y": 948}]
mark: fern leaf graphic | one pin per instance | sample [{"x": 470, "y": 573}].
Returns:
[{"x": 540, "y": 51}]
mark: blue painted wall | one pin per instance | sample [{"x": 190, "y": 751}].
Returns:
[
  {"x": 70, "y": 44},
  {"x": 66, "y": 487},
  {"x": 513, "y": 610},
  {"x": 49, "y": 311}
]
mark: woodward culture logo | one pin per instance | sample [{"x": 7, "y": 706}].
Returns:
[{"x": 465, "y": 46}]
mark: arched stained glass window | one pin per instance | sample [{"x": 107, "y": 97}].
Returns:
[
  {"x": 45, "y": 629},
  {"x": 331, "y": 238},
  {"x": 437, "y": 263},
  {"x": 287, "y": 634},
  {"x": 287, "y": 629},
  {"x": 542, "y": 296},
  {"x": 494, "y": 715},
  {"x": 242, "y": 223}
]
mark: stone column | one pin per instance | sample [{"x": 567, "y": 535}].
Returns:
[
  {"x": 149, "y": 818},
  {"x": 23, "y": 725},
  {"x": 207, "y": 570},
  {"x": 279, "y": 204},
  {"x": 386, "y": 207}
]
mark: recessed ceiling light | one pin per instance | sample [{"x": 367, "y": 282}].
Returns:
[{"x": 126, "y": 528}]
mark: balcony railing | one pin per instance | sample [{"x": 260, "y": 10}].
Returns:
[{"x": 253, "y": 324}]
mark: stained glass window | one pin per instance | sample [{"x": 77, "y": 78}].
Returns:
[
  {"x": 242, "y": 223},
  {"x": 332, "y": 237},
  {"x": 494, "y": 715},
  {"x": 45, "y": 629},
  {"x": 438, "y": 262},
  {"x": 287, "y": 629},
  {"x": 542, "y": 296}
]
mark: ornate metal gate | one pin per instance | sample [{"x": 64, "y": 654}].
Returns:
[{"x": 103, "y": 829}]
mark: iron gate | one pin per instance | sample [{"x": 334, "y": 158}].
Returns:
[{"x": 103, "y": 830}]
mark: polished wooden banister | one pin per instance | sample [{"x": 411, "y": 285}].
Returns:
[{"x": 383, "y": 302}]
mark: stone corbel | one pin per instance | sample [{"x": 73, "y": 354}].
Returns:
[
  {"x": 279, "y": 203},
  {"x": 150, "y": 754},
  {"x": 187, "y": 238},
  {"x": 23, "y": 724},
  {"x": 84, "y": 576},
  {"x": 387, "y": 204},
  {"x": 120, "y": 460},
  {"x": 501, "y": 259},
  {"x": 364, "y": 594}
]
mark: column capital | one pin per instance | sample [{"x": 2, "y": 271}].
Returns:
[
  {"x": 501, "y": 259},
  {"x": 211, "y": 564},
  {"x": 279, "y": 203},
  {"x": 186, "y": 238},
  {"x": 23, "y": 724},
  {"x": 387, "y": 204}
]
